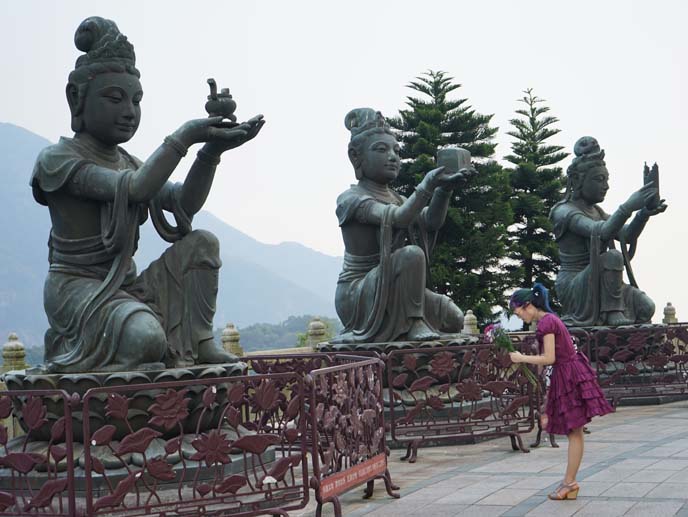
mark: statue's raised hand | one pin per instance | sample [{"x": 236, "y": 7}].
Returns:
[
  {"x": 661, "y": 207},
  {"x": 237, "y": 135},
  {"x": 217, "y": 130},
  {"x": 442, "y": 177},
  {"x": 201, "y": 130},
  {"x": 642, "y": 197}
]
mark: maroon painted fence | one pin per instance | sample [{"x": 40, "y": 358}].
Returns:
[
  {"x": 457, "y": 393},
  {"x": 641, "y": 362},
  {"x": 20, "y": 493},
  {"x": 214, "y": 446},
  {"x": 346, "y": 426}
]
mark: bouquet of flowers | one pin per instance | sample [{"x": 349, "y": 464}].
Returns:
[{"x": 499, "y": 337}]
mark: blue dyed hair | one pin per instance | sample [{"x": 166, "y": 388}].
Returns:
[{"x": 538, "y": 296}]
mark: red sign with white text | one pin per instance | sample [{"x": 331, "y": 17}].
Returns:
[{"x": 342, "y": 481}]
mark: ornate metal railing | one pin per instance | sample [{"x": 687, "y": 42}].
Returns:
[
  {"x": 211, "y": 446},
  {"x": 21, "y": 458},
  {"x": 196, "y": 466},
  {"x": 349, "y": 429},
  {"x": 641, "y": 362},
  {"x": 346, "y": 427},
  {"x": 458, "y": 393}
]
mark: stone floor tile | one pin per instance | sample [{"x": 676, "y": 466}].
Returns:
[
  {"x": 636, "y": 463},
  {"x": 609, "y": 508},
  {"x": 507, "y": 497},
  {"x": 479, "y": 511},
  {"x": 610, "y": 474},
  {"x": 594, "y": 488},
  {"x": 670, "y": 464},
  {"x": 626, "y": 489},
  {"x": 649, "y": 476},
  {"x": 558, "y": 508},
  {"x": 669, "y": 491},
  {"x": 678, "y": 477},
  {"x": 468, "y": 495},
  {"x": 654, "y": 509},
  {"x": 536, "y": 482},
  {"x": 427, "y": 510},
  {"x": 428, "y": 494}
]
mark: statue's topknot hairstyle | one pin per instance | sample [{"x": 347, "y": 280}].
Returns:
[{"x": 106, "y": 50}]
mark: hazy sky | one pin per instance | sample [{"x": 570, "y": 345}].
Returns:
[{"x": 614, "y": 69}]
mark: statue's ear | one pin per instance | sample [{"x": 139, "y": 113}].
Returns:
[
  {"x": 355, "y": 159},
  {"x": 577, "y": 180},
  {"x": 75, "y": 106}
]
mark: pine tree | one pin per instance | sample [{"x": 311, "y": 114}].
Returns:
[
  {"x": 536, "y": 186},
  {"x": 467, "y": 261}
]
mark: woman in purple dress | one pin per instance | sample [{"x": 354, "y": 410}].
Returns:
[{"x": 574, "y": 396}]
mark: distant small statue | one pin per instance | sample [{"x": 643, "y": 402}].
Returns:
[
  {"x": 102, "y": 315},
  {"x": 590, "y": 284},
  {"x": 381, "y": 294}
]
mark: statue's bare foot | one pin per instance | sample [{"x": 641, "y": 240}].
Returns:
[
  {"x": 209, "y": 353},
  {"x": 420, "y": 331},
  {"x": 617, "y": 318}
]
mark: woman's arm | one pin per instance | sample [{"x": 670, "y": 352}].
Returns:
[{"x": 544, "y": 359}]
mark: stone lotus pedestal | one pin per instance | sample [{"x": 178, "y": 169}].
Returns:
[
  {"x": 149, "y": 384},
  {"x": 382, "y": 348}
]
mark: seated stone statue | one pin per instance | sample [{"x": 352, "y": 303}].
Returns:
[
  {"x": 102, "y": 315},
  {"x": 381, "y": 294},
  {"x": 590, "y": 283}
]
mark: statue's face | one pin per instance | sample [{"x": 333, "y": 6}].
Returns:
[
  {"x": 112, "y": 110},
  {"x": 380, "y": 159},
  {"x": 595, "y": 185}
]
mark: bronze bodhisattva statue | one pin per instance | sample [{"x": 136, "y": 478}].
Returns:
[{"x": 103, "y": 315}]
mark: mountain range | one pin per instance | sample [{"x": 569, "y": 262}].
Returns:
[{"x": 258, "y": 282}]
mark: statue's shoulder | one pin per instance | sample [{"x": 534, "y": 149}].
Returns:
[
  {"x": 56, "y": 152},
  {"x": 54, "y": 166},
  {"x": 349, "y": 201},
  {"x": 563, "y": 210},
  {"x": 561, "y": 215}
]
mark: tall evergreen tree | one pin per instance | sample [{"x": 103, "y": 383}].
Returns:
[
  {"x": 536, "y": 185},
  {"x": 467, "y": 262}
]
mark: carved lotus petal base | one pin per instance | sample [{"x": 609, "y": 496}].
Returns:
[{"x": 138, "y": 402}]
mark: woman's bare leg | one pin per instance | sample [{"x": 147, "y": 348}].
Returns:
[{"x": 575, "y": 454}]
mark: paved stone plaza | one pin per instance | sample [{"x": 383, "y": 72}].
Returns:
[{"x": 635, "y": 464}]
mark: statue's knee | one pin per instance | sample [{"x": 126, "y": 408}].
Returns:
[
  {"x": 410, "y": 256},
  {"x": 204, "y": 241},
  {"x": 205, "y": 249},
  {"x": 645, "y": 308},
  {"x": 144, "y": 338},
  {"x": 612, "y": 260},
  {"x": 453, "y": 318}
]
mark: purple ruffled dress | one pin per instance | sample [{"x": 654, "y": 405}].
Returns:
[{"x": 574, "y": 395}]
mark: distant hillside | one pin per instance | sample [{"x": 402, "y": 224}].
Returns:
[
  {"x": 258, "y": 282},
  {"x": 266, "y": 336}
]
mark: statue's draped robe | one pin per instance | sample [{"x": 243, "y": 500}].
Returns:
[
  {"x": 583, "y": 289},
  {"x": 92, "y": 287},
  {"x": 372, "y": 298}
]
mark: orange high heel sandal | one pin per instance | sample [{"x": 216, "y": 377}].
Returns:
[{"x": 565, "y": 491}]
